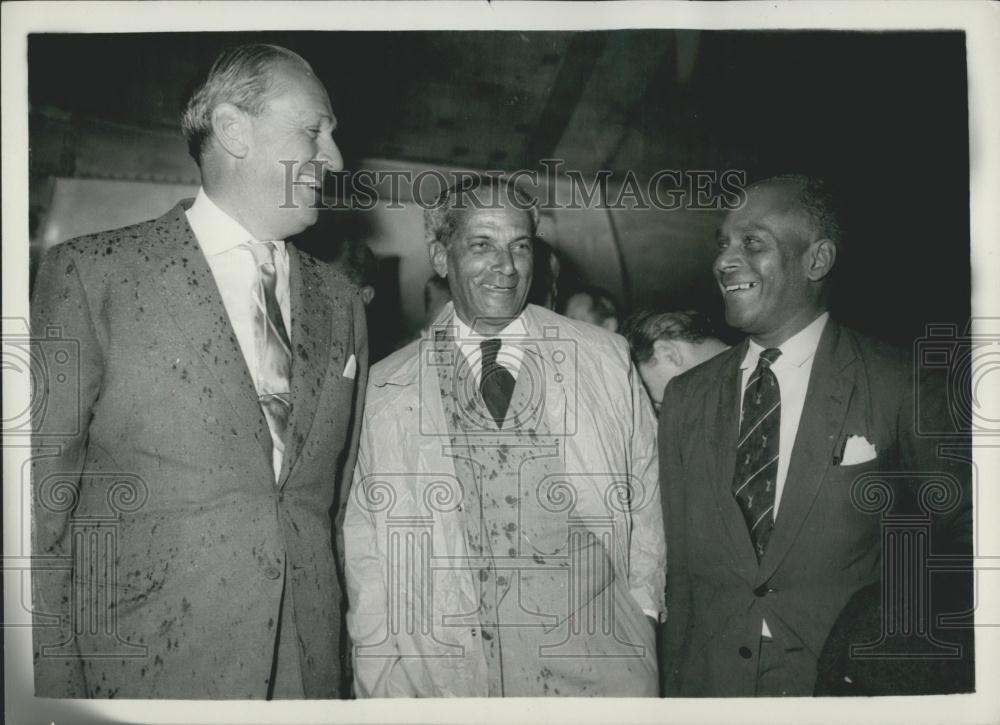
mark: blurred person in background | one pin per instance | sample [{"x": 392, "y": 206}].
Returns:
[
  {"x": 594, "y": 305},
  {"x": 357, "y": 261},
  {"x": 545, "y": 282},
  {"x": 665, "y": 344},
  {"x": 436, "y": 296}
]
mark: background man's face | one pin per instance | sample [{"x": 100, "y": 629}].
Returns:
[
  {"x": 762, "y": 267},
  {"x": 488, "y": 263},
  {"x": 655, "y": 375},
  {"x": 297, "y": 126}
]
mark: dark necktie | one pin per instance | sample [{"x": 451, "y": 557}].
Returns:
[
  {"x": 274, "y": 351},
  {"x": 496, "y": 384},
  {"x": 757, "y": 451}
]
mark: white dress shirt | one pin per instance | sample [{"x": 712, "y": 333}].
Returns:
[
  {"x": 223, "y": 240},
  {"x": 792, "y": 370}
]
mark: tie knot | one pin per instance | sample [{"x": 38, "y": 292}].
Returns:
[
  {"x": 490, "y": 348},
  {"x": 768, "y": 356},
  {"x": 263, "y": 252}
]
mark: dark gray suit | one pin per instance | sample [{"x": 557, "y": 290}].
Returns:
[
  {"x": 823, "y": 547},
  {"x": 163, "y": 490}
]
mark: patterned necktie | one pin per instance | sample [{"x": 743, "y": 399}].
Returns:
[
  {"x": 757, "y": 451},
  {"x": 496, "y": 384},
  {"x": 274, "y": 351}
]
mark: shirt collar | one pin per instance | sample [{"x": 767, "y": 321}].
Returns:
[
  {"x": 796, "y": 350},
  {"x": 515, "y": 331},
  {"x": 216, "y": 231}
]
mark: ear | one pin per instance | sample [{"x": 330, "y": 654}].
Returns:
[
  {"x": 438, "y": 254},
  {"x": 367, "y": 294},
  {"x": 667, "y": 351},
  {"x": 820, "y": 257},
  {"x": 231, "y": 129}
]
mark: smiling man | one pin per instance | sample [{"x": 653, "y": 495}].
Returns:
[
  {"x": 219, "y": 372},
  {"x": 761, "y": 450},
  {"x": 504, "y": 532}
]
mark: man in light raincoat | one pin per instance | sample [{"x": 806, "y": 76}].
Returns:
[{"x": 504, "y": 533}]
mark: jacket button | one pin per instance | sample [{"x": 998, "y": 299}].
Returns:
[
  {"x": 745, "y": 653},
  {"x": 272, "y": 572},
  {"x": 761, "y": 591}
]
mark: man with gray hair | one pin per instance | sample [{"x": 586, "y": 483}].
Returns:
[
  {"x": 185, "y": 504},
  {"x": 504, "y": 534}
]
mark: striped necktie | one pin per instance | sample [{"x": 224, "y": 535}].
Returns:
[
  {"x": 756, "y": 472},
  {"x": 272, "y": 346}
]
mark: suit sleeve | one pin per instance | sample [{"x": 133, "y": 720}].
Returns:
[
  {"x": 647, "y": 553},
  {"x": 361, "y": 385},
  {"x": 933, "y": 440},
  {"x": 677, "y": 580},
  {"x": 67, "y": 372}
]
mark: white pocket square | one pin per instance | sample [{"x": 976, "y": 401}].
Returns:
[
  {"x": 857, "y": 449},
  {"x": 351, "y": 369}
]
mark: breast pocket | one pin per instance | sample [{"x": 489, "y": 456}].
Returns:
[{"x": 848, "y": 508}]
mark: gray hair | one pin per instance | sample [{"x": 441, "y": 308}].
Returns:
[
  {"x": 441, "y": 219},
  {"x": 816, "y": 202},
  {"x": 241, "y": 76}
]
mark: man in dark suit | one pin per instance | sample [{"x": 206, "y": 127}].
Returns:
[
  {"x": 770, "y": 520},
  {"x": 182, "y": 514}
]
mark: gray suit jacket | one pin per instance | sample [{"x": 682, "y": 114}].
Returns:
[
  {"x": 164, "y": 542},
  {"x": 827, "y": 541}
]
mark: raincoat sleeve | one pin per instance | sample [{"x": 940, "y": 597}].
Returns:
[
  {"x": 647, "y": 547},
  {"x": 377, "y": 664}
]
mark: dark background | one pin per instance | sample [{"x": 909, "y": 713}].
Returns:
[{"x": 882, "y": 116}]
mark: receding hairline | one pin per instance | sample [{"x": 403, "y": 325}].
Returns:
[{"x": 457, "y": 219}]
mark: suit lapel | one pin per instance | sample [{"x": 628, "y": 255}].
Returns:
[
  {"x": 831, "y": 386},
  {"x": 722, "y": 451},
  {"x": 320, "y": 340},
  {"x": 192, "y": 298}
]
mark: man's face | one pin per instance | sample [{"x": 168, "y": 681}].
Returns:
[
  {"x": 488, "y": 264},
  {"x": 296, "y": 128},
  {"x": 670, "y": 358},
  {"x": 655, "y": 375},
  {"x": 763, "y": 266}
]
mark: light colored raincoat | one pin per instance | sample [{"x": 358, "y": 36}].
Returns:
[{"x": 583, "y": 561}]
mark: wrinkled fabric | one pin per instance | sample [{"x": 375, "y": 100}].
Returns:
[{"x": 514, "y": 561}]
